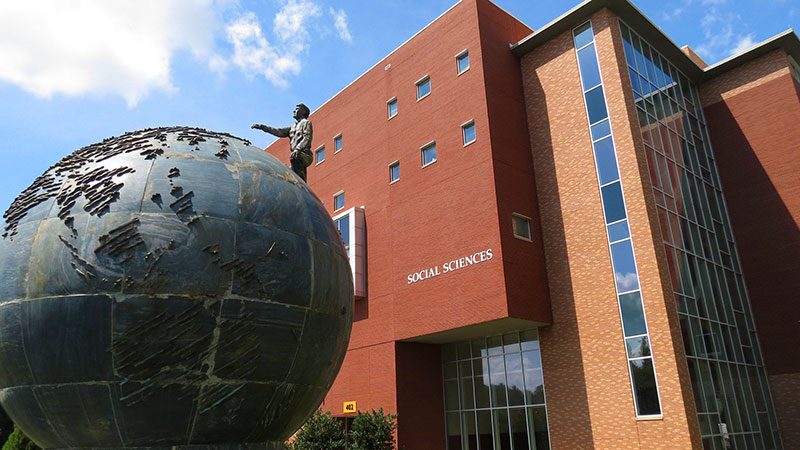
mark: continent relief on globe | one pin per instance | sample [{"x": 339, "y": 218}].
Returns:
[{"x": 169, "y": 287}]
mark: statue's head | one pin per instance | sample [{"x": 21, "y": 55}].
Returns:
[{"x": 301, "y": 111}]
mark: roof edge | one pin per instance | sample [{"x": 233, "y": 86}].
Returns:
[
  {"x": 629, "y": 14},
  {"x": 786, "y": 40}
]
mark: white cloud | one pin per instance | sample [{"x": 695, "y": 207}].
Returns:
[
  {"x": 253, "y": 54},
  {"x": 113, "y": 47},
  {"x": 677, "y": 11},
  {"x": 292, "y": 20},
  {"x": 626, "y": 281},
  {"x": 720, "y": 38},
  {"x": 743, "y": 44},
  {"x": 125, "y": 48},
  {"x": 340, "y": 22}
]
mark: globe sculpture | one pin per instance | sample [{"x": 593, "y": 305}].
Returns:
[{"x": 169, "y": 288}]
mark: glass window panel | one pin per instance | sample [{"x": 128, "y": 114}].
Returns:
[
  {"x": 469, "y": 437},
  {"x": 606, "y": 160},
  {"x": 638, "y": 346},
  {"x": 644, "y": 387},
  {"x": 521, "y": 226},
  {"x": 463, "y": 62},
  {"x": 343, "y": 226},
  {"x": 319, "y": 155},
  {"x": 539, "y": 419},
  {"x": 449, "y": 352},
  {"x": 624, "y": 266},
  {"x": 601, "y": 130},
  {"x": 453, "y": 431},
  {"x": 497, "y": 377},
  {"x": 514, "y": 380},
  {"x": 632, "y": 314},
  {"x": 478, "y": 347},
  {"x": 429, "y": 154},
  {"x": 467, "y": 397},
  {"x": 519, "y": 428},
  {"x": 450, "y": 371},
  {"x": 468, "y": 133},
  {"x": 511, "y": 342},
  {"x": 392, "y": 107},
  {"x": 423, "y": 88},
  {"x": 534, "y": 386},
  {"x": 613, "y": 203},
  {"x": 587, "y": 62},
  {"x": 451, "y": 395},
  {"x": 596, "y": 105},
  {"x": 337, "y": 143},
  {"x": 637, "y": 88},
  {"x": 464, "y": 351},
  {"x": 481, "y": 382},
  {"x": 583, "y": 35},
  {"x": 495, "y": 345},
  {"x": 394, "y": 172},
  {"x": 338, "y": 201},
  {"x": 530, "y": 340},
  {"x": 485, "y": 429},
  {"x": 502, "y": 440}
]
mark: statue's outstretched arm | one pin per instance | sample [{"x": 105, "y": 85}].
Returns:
[{"x": 280, "y": 132}]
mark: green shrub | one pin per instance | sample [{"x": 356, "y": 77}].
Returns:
[
  {"x": 373, "y": 431},
  {"x": 320, "y": 432},
  {"x": 18, "y": 441}
]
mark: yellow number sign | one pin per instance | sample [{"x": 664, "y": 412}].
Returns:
[{"x": 350, "y": 408}]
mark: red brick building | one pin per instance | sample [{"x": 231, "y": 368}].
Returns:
[{"x": 543, "y": 252}]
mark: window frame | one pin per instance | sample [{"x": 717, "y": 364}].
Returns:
[
  {"x": 527, "y": 220},
  {"x": 389, "y": 103},
  {"x": 459, "y": 56},
  {"x": 317, "y": 152},
  {"x": 392, "y": 165},
  {"x": 422, "y": 154},
  {"x": 422, "y": 81},
  {"x": 464, "y": 126},
  {"x": 336, "y": 196},
  {"x": 338, "y": 138}
]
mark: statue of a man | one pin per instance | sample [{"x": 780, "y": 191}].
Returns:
[{"x": 299, "y": 135}]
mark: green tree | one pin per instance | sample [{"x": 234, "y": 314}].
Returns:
[
  {"x": 18, "y": 441},
  {"x": 320, "y": 432},
  {"x": 373, "y": 431}
]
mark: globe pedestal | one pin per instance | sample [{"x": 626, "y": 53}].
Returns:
[{"x": 169, "y": 288}]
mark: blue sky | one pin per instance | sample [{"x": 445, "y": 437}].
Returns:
[{"x": 74, "y": 73}]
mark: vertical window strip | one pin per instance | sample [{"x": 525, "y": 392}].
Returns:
[
  {"x": 647, "y": 400},
  {"x": 721, "y": 345}
]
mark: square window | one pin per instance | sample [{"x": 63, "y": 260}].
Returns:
[
  {"x": 319, "y": 155},
  {"x": 394, "y": 171},
  {"x": 462, "y": 62},
  {"x": 337, "y": 144},
  {"x": 338, "y": 201},
  {"x": 468, "y": 132},
  {"x": 428, "y": 154},
  {"x": 392, "y": 107},
  {"x": 423, "y": 87},
  {"x": 521, "y": 226}
]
